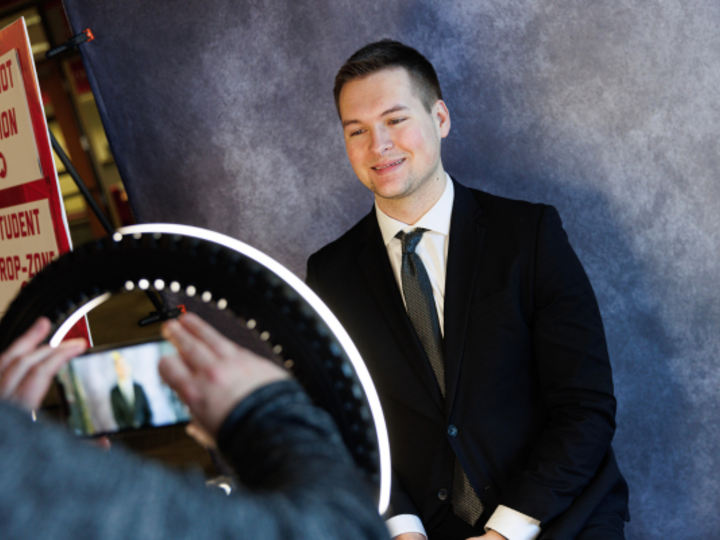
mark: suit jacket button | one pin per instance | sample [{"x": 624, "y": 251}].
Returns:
[
  {"x": 452, "y": 430},
  {"x": 443, "y": 494}
]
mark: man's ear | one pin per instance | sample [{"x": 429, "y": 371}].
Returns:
[{"x": 441, "y": 115}]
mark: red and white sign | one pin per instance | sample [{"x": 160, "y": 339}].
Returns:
[
  {"x": 19, "y": 160},
  {"x": 33, "y": 225},
  {"x": 27, "y": 247}
]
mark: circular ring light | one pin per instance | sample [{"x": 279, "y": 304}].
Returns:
[{"x": 234, "y": 277}]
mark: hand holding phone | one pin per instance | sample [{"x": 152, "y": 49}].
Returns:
[
  {"x": 118, "y": 388},
  {"x": 27, "y": 368},
  {"x": 210, "y": 373}
]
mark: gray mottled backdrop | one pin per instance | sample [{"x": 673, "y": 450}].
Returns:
[{"x": 220, "y": 115}]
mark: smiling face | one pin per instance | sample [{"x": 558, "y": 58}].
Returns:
[{"x": 392, "y": 141}]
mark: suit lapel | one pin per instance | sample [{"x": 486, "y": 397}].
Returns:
[
  {"x": 375, "y": 266},
  {"x": 466, "y": 239}
]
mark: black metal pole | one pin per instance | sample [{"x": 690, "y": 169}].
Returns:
[
  {"x": 155, "y": 299},
  {"x": 162, "y": 313},
  {"x": 70, "y": 44},
  {"x": 81, "y": 186}
]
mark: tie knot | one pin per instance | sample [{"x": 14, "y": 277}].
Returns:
[{"x": 410, "y": 240}]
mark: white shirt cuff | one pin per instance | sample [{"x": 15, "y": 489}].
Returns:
[
  {"x": 513, "y": 525},
  {"x": 405, "y": 523}
]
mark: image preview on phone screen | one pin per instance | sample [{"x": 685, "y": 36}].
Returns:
[{"x": 120, "y": 389}]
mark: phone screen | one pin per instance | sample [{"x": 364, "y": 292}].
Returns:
[{"x": 109, "y": 390}]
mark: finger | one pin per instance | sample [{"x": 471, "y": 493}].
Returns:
[
  {"x": 14, "y": 372},
  {"x": 178, "y": 377},
  {"x": 26, "y": 343},
  {"x": 192, "y": 350},
  {"x": 103, "y": 443},
  {"x": 35, "y": 383},
  {"x": 206, "y": 333}
]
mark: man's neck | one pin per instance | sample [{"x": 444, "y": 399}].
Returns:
[{"x": 410, "y": 209}]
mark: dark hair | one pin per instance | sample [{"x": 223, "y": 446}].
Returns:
[{"x": 389, "y": 54}]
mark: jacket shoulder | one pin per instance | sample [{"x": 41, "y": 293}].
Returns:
[
  {"x": 343, "y": 245},
  {"x": 513, "y": 218},
  {"x": 498, "y": 206}
]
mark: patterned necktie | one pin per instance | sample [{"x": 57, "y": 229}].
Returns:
[{"x": 420, "y": 305}]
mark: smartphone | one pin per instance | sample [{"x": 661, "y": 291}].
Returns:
[{"x": 115, "y": 389}]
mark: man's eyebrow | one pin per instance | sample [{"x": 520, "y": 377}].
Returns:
[
  {"x": 396, "y": 108},
  {"x": 391, "y": 110}
]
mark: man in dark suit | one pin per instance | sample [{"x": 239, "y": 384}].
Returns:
[
  {"x": 130, "y": 405},
  {"x": 478, "y": 325}
]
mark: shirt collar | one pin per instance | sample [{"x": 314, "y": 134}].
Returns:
[
  {"x": 127, "y": 387},
  {"x": 437, "y": 219}
]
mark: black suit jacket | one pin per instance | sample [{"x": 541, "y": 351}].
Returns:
[
  {"x": 131, "y": 416},
  {"x": 528, "y": 380}
]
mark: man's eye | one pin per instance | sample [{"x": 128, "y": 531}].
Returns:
[
  {"x": 357, "y": 132},
  {"x": 396, "y": 121}
]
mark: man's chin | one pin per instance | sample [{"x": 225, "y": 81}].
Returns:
[{"x": 391, "y": 192}]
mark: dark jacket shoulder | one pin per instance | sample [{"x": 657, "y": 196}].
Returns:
[
  {"x": 341, "y": 249},
  {"x": 498, "y": 209},
  {"x": 491, "y": 210},
  {"x": 348, "y": 237}
]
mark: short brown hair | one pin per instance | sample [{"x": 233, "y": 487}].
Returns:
[{"x": 389, "y": 54}]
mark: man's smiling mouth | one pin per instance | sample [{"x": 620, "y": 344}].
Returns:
[{"x": 381, "y": 167}]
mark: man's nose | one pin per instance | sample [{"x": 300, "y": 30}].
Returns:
[{"x": 381, "y": 141}]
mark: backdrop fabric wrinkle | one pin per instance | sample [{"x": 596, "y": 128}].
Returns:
[{"x": 220, "y": 115}]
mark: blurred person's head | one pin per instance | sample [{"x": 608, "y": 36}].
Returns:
[{"x": 122, "y": 368}]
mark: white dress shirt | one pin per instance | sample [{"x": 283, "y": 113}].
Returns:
[
  {"x": 433, "y": 251},
  {"x": 127, "y": 389}
]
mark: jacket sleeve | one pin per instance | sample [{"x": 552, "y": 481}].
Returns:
[
  {"x": 575, "y": 379},
  {"x": 300, "y": 481},
  {"x": 400, "y": 502}
]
